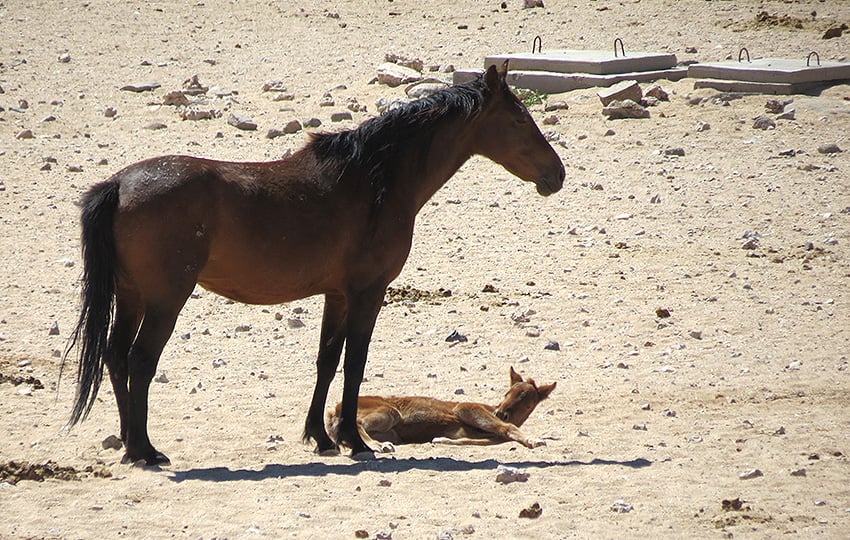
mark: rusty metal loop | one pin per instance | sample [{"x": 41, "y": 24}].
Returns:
[
  {"x": 622, "y": 49},
  {"x": 808, "y": 58},
  {"x": 742, "y": 51},
  {"x": 537, "y": 45}
]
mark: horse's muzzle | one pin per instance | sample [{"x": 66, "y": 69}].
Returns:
[{"x": 551, "y": 183}]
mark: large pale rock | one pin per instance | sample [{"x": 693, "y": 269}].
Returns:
[
  {"x": 624, "y": 109},
  {"x": 621, "y": 91},
  {"x": 395, "y": 75}
]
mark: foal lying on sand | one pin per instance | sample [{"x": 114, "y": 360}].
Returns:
[{"x": 384, "y": 421}]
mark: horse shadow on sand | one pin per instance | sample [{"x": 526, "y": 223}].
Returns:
[{"x": 383, "y": 465}]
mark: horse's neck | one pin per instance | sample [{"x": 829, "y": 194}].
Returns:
[{"x": 450, "y": 148}]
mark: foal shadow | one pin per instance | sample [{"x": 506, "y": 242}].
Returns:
[{"x": 384, "y": 465}]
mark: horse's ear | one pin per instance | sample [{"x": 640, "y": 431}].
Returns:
[
  {"x": 515, "y": 377},
  {"x": 492, "y": 78},
  {"x": 503, "y": 73},
  {"x": 544, "y": 391}
]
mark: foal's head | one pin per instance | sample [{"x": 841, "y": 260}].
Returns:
[
  {"x": 521, "y": 399},
  {"x": 507, "y": 134}
]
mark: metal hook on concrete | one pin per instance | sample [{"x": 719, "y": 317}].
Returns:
[
  {"x": 537, "y": 45},
  {"x": 742, "y": 51},
  {"x": 622, "y": 49},
  {"x": 808, "y": 58}
]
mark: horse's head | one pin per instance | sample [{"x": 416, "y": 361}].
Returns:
[
  {"x": 521, "y": 399},
  {"x": 508, "y": 135}
]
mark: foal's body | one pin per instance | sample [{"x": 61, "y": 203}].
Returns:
[
  {"x": 336, "y": 218},
  {"x": 416, "y": 419}
]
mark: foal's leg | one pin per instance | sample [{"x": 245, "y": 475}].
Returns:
[
  {"x": 363, "y": 312},
  {"x": 128, "y": 316},
  {"x": 157, "y": 325},
  {"x": 475, "y": 416},
  {"x": 330, "y": 348}
]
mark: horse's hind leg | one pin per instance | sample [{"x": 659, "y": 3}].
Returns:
[
  {"x": 128, "y": 315},
  {"x": 330, "y": 348},
  {"x": 157, "y": 325}
]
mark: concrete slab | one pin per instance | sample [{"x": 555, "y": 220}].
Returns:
[
  {"x": 548, "y": 82},
  {"x": 772, "y": 70},
  {"x": 749, "y": 87},
  {"x": 579, "y": 61}
]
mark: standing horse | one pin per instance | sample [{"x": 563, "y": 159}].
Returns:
[{"x": 335, "y": 218}]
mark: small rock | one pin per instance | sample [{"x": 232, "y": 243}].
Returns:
[
  {"x": 532, "y": 512},
  {"x": 799, "y": 472},
  {"x": 194, "y": 114},
  {"x": 294, "y": 322},
  {"x": 621, "y": 507},
  {"x": 639, "y": 427},
  {"x": 141, "y": 87},
  {"x": 552, "y": 345},
  {"x": 293, "y": 126},
  {"x": 394, "y": 75},
  {"x": 25, "y": 134},
  {"x": 830, "y": 148},
  {"x": 193, "y": 87},
  {"x": 834, "y": 32},
  {"x": 112, "y": 443},
  {"x": 341, "y": 116},
  {"x": 424, "y": 88},
  {"x": 676, "y": 151},
  {"x": 273, "y": 133},
  {"x": 219, "y": 362},
  {"x": 155, "y": 126},
  {"x": 327, "y": 101},
  {"x": 691, "y": 50},
  {"x": 776, "y": 106},
  {"x": 788, "y": 114},
  {"x": 243, "y": 328},
  {"x": 551, "y": 120},
  {"x": 552, "y": 106},
  {"x": 274, "y": 86},
  {"x": 507, "y": 475},
  {"x": 625, "y": 90},
  {"x": 385, "y": 483},
  {"x": 110, "y": 112},
  {"x": 242, "y": 122},
  {"x": 750, "y": 474},
  {"x": 669, "y": 413},
  {"x": 750, "y": 243},
  {"x": 654, "y": 90},
  {"x": 662, "y": 313},
  {"x": 64, "y": 58},
  {"x": 763, "y": 122},
  {"x": 696, "y": 334},
  {"x": 54, "y": 329},
  {"x": 161, "y": 378},
  {"x": 412, "y": 63},
  {"x": 703, "y": 126},
  {"x": 312, "y": 122},
  {"x": 361, "y": 533},
  {"x": 456, "y": 337},
  {"x": 176, "y": 98},
  {"x": 617, "y": 110}
]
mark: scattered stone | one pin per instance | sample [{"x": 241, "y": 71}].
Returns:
[
  {"x": 161, "y": 378},
  {"x": 532, "y": 512},
  {"x": 219, "y": 362},
  {"x": 703, "y": 126},
  {"x": 624, "y": 90},
  {"x": 655, "y": 91},
  {"x": 112, "y": 443},
  {"x": 194, "y": 114},
  {"x": 834, "y": 32},
  {"x": 696, "y": 334},
  {"x": 731, "y": 504},
  {"x": 669, "y": 413},
  {"x": 75, "y": 168},
  {"x": 274, "y": 86},
  {"x": 412, "y": 63},
  {"x": 456, "y": 337},
  {"x": 639, "y": 427},
  {"x": 273, "y": 133},
  {"x": 384, "y": 105},
  {"x": 608, "y": 133},
  {"x": 242, "y": 122},
  {"x": 327, "y": 101},
  {"x": 750, "y": 474},
  {"x": 621, "y": 507},
  {"x": 677, "y": 151},
  {"x": 175, "y": 98},
  {"x": 552, "y": 345},
  {"x": 529, "y": 4},
  {"x": 799, "y": 472},
  {"x": 553, "y": 106},
  {"x": 193, "y": 87},
  {"x": 750, "y": 243},
  {"x": 25, "y": 134},
  {"x": 293, "y": 126},
  {"x": 64, "y": 58},
  {"x": 155, "y": 126},
  {"x": 341, "y": 116},
  {"x": 691, "y": 50},
  {"x": 361, "y": 533},
  {"x": 110, "y": 112},
  {"x": 763, "y": 122},
  {"x": 776, "y": 106},
  {"x": 394, "y": 75},
  {"x": 294, "y": 322},
  {"x": 649, "y": 101},
  {"x": 54, "y": 329},
  {"x": 424, "y": 88},
  {"x": 788, "y": 114},
  {"x": 507, "y": 475},
  {"x": 141, "y": 87},
  {"x": 551, "y": 120},
  {"x": 312, "y": 122},
  {"x": 617, "y": 110},
  {"x": 830, "y": 148},
  {"x": 283, "y": 96},
  {"x": 354, "y": 106}
]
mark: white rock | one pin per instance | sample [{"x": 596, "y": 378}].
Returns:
[{"x": 507, "y": 475}]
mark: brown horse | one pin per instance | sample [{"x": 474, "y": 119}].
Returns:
[
  {"x": 335, "y": 218},
  {"x": 385, "y": 421}
]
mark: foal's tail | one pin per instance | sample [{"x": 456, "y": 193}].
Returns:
[{"x": 98, "y": 294}]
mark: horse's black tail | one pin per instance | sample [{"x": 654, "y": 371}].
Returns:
[{"x": 98, "y": 294}]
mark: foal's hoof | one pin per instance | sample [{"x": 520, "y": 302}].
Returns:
[
  {"x": 328, "y": 452},
  {"x": 363, "y": 455},
  {"x": 152, "y": 460}
]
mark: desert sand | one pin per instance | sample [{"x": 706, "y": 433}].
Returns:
[{"x": 739, "y": 395}]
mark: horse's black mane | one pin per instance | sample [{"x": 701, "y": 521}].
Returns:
[{"x": 373, "y": 147}]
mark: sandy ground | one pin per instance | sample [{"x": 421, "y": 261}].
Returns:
[{"x": 750, "y": 371}]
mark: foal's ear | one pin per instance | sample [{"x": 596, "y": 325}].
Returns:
[
  {"x": 515, "y": 377},
  {"x": 546, "y": 389}
]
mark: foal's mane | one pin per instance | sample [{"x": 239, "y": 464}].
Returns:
[{"x": 374, "y": 147}]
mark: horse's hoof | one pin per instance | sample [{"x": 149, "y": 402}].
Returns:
[
  {"x": 330, "y": 452},
  {"x": 153, "y": 460},
  {"x": 386, "y": 448}
]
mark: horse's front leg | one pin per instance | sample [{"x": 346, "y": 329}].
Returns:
[
  {"x": 363, "y": 312},
  {"x": 330, "y": 348}
]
